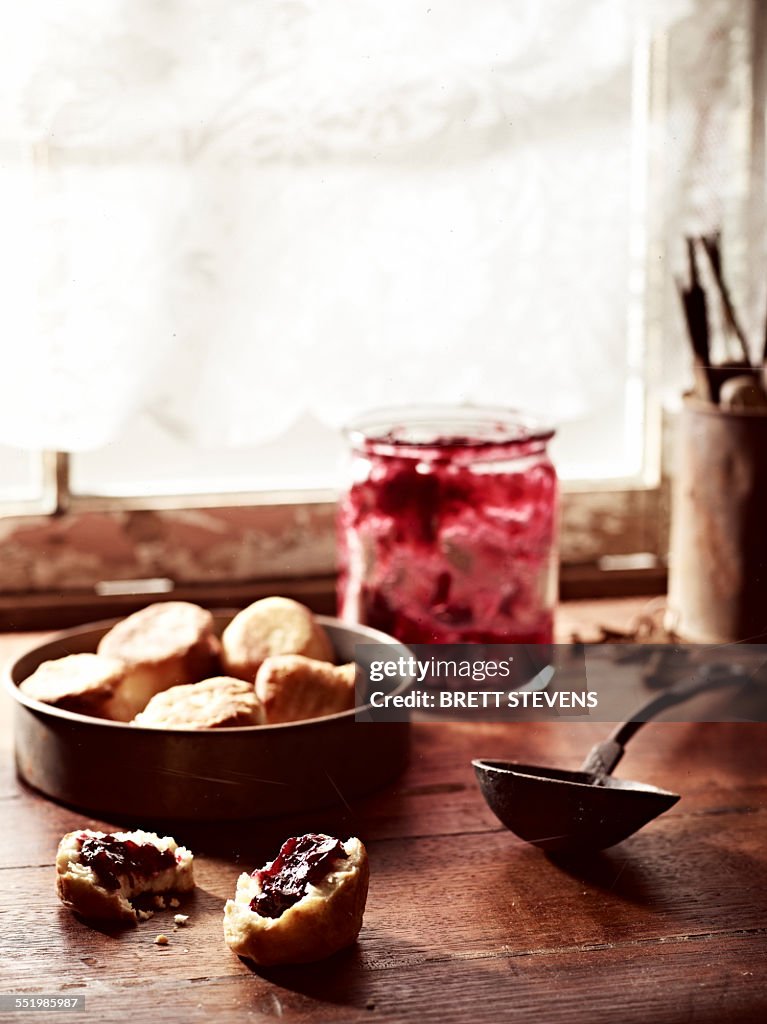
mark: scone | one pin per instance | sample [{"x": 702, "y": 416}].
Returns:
[
  {"x": 292, "y": 688},
  {"x": 90, "y": 684},
  {"x": 273, "y": 625},
  {"x": 218, "y": 703},
  {"x": 306, "y": 905},
  {"x": 167, "y": 644},
  {"x": 98, "y": 874}
]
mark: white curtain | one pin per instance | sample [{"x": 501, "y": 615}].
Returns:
[{"x": 233, "y": 212}]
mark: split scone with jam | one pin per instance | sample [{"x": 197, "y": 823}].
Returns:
[
  {"x": 99, "y": 875},
  {"x": 305, "y": 905}
]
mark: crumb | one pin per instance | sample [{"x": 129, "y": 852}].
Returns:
[
  {"x": 144, "y": 915},
  {"x": 162, "y": 940},
  {"x": 174, "y": 902},
  {"x": 370, "y": 1004},
  {"x": 159, "y": 902},
  {"x": 181, "y": 919}
]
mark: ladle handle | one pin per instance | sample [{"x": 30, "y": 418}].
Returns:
[{"x": 605, "y": 756}]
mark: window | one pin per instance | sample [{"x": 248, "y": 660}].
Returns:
[
  {"x": 231, "y": 227},
  {"x": 20, "y": 477}
]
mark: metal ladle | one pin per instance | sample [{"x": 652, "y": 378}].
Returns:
[{"x": 589, "y": 809}]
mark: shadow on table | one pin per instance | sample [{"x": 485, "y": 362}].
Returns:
[
  {"x": 421, "y": 986},
  {"x": 341, "y": 979},
  {"x": 674, "y": 875},
  {"x": 614, "y": 871},
  {"x": 109, "y": 929}
]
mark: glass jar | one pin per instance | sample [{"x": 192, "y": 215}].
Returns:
[{"x": 447, "y": 532}]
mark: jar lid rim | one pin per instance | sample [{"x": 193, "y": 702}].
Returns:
[{"x": 440, "y": 426}]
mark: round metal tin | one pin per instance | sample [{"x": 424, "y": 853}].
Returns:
[{"x": 118, "y": 769}]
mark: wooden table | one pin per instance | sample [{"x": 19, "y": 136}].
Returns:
[{"x": 464, "y": 922}]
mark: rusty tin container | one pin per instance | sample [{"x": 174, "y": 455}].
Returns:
[
  {"x": 156, "y": 775},
  {"x": 718, "y": 561}
]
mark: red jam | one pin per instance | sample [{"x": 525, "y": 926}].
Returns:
[
  {"x": 301, "y": 861},
  {"x": 450, "y": 537},
  {"x": 109, "y": 858}
]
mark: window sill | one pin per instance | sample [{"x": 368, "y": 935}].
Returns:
[
  {"x": 62, "y": 609},
  {"x": 86, "y": 547}
]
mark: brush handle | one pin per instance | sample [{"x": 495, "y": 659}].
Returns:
[
  {"x": 713, "y": 251},
  {"x": 605, "y": 755}
]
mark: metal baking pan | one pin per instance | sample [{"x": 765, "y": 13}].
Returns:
[{"x": 116, "y": 769}]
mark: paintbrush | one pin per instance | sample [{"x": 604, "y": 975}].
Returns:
[
  {"x": 693, "y": 298},
  {"x": 713, "y": 251}
]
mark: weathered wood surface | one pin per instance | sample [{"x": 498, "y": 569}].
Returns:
[{"x": 464, "y": 922}]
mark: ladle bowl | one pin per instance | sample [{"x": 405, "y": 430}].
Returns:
[
  {"x": 560, "y": 810},
  {"x": 588, "y": 810}
]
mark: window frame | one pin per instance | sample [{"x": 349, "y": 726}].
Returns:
[{"x": 286, "y": 538}]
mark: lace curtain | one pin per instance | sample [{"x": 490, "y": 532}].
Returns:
[{"x": 232, "y": 213}]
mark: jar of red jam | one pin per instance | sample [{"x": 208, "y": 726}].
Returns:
[{"x": 448, "y": 530}]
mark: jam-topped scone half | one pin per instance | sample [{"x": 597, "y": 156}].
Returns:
[
  {"x": 171, "y": 643},
  {"x": 273, "y": 625},
  {"x": 220, "y": 703},
  {"x": 89, "y": 684},
  {"x": 292, "y": 688},
  {"x": 99, "y": 874},
  {"x": 304, "y": 906}
]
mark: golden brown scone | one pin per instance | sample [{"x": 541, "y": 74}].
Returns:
[
  {"x": 171, "y": 643},
  {"x": 218, "y": 703},
  {"x": 292, "y": 688},
  {"x": 313, "y": 912},
  {"x": 98, "y": 873},
  {"x": 90, "y": 684},
  {"x": 273, "y": 625}
]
